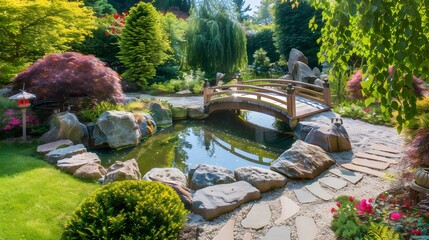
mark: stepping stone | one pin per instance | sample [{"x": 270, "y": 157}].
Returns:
[
  {"x": 375, "y": 158},
  {"x": 366, "y": 170},
  {"x": 45, "y": 148},
  {"x": 276, "y": 233},
  {"x": 306, "y": 228},
  {"x": 247, "y": 236},
  {"x": 383, "y": 154},
  {"x": 226, "y": 232},
  {"x": 347, "y": 175},
  {"x": 333, "y": 182},
  {"x": 258, "y": 217},
  {"x": 318, "y": 191},
  {"x": 304, "y": 196},
  {"x": 371, "y": 164},
  {"x": 384, "y": 148},
  {"x": 289, "y": 208}
]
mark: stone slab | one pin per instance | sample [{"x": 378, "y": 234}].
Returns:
[
  {"x": 350, "y": 176},
  {"x": 361, "y": 169},
  {"x": 318, "y": 191},
  {"x": 247, "y": 236},
  {"x": 371, "y": 164},
  {"x": 258, "y": 217},
  {"x": 289, "y": 208},
  {"x": 385, "y": 148},
  {"x": 45, "y": 148},
  {"x": 383, "y": 154},
  {"x": 276, "y": 233},
  {"x": 306, "y": 228},
  {"x": 226, "y": 232},
  {"x": 375, "y": 158},
  {"x": 304, "y": 196},
  {"x": 333, "y": 182}
]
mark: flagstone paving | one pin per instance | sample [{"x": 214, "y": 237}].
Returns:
[
  {"x": 350, "y": 176},
  {"x": 276, "y": 233},
  {"x": 289, "y": 208},
  {"x": 333, "y": 182},
  {"x": 376, "y": 158},
  {"x": 304, "y": 196},
  {"x": 383, "y": 154},
  {"x": 226, "y": 232},
  {"x": 371, "y": 163},
  {"x": 384, "y": 148},
  {"x": 318, "y": 191},
  {"x": 366, "y": 170},
  {"x": 306, "y": 228},
  {"x": 258, "y": 217}
]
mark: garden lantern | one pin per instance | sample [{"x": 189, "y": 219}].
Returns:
[{"x": 23, "y": 100}]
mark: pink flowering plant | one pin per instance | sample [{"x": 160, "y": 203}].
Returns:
[
  {"x": 396, "y": 219},
  {"x": 11, "y": 122}
]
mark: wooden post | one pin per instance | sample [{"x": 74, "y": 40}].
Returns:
[
  {"x": 206, "y": 91},
  {"x": 239, "y": 79},
  {"x": 291, "y": 103},
  {"x": 327, "y": 92},
  {"x": 24, "y": 124}
]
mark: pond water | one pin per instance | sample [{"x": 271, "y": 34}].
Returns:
[{"x": 223, "y": 139}]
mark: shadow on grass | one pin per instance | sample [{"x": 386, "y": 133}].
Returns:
[{"x": 19, "y": 157}]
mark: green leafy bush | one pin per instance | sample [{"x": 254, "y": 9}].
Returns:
[
  {"x": 92, "y": 114},
  {"x": 371, "y": 114},
  {"x": 128, "y": 210}
]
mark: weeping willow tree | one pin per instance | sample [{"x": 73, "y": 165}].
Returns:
[{"x": 216, "y": 40}]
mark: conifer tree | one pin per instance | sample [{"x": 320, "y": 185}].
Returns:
[{"x": 143, "y": 44}]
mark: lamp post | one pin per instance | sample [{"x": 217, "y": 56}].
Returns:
[{"x": 23, "y": 101}]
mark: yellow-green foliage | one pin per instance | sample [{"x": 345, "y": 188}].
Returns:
[
  {"x": 129, "y": 210},
  {"x": 423, "y": 105},
  {"x": 94, "y": 113},
  {"x": 381, "y": 232},
  {"x": 134, "y": 106}
]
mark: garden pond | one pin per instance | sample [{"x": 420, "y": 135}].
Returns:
[{"x": 224, "y": 139}]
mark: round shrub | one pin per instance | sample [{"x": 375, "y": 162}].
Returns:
[
  {"x": 71, "y": 74},
  {"x": 128, "y": 210}
]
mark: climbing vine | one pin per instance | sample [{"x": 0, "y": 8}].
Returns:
[{"x": 381, "y": 33}]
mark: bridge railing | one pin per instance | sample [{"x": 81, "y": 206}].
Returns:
[{"x": 263, "y": 87}]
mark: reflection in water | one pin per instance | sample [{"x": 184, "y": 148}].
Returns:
[{"x": 222, "y": 140}]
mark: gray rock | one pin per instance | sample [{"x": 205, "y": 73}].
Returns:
[
  {"x": 116, "y": 128},
  {"x": 204, "y": 175},
  {"x": 332, "y": 138},
  {"x": 294, "y": 56},
  {"x": 161, "y": 115},
  {"x": 168, "y": 174},
  {"x": 91, "y": 171},
  {"x": 213, "y": 201},
  {"x": 119, "y": 171},
  {"x": 302, "y": 72},
  {"x": 45, "y": 148},
  {"x": 146, "y": 123},
  {"x": 288, "y": 76},
  {"x": 263, "y": 179},
  {"x": 303, "y": 128},
  {"x": 316, "y": 72},
  {"x": 67, "y": 152},
  {"x": 70, "y": 165},
  {"x": 302, "y": 160},
  {"x": 65, "y": 125},
  {"x": 196, "y": 112},
  {"x": 181, "y": 190},
  {"x": 179, "y": 112}
]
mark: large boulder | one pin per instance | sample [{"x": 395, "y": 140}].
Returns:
[
  {"x": 263, "y": 179},
  {"x": 146, "y": 123},
  {"x": 47, "y": 147},
  {"x": 294, "y": 56},
  {"x": 116, "y": 128},
  {"x": 204, "y": 175},
  {"x": 162, "y": 115},
  {"x": 169, "y": 174},
  {"x": 302, "y": 160},
  {"x": 70, "y": 165},
  {"x": 91, "y": 171},
  {"x": 303, "y": 128},
  {"x": 67, "y": 152},
  {"x": 211, "y": 202},
  {"x": 196, "y": 112},
  {"x": 332, "y": 138},
  {"x": 119, "y": 171},
  {"x": 302, "y": 72},
  {"x": 65, "y": 125}
]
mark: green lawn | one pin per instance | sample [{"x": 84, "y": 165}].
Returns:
[{"x": 36, "y": 199}]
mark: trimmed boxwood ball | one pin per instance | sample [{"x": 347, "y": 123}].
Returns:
[{"x": 128, "y": 210}]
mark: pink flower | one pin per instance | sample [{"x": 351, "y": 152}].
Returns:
[
  {"x": 395, "y": 216},
  {"x": 9, "y": 112},
  {"x": 338, "y": 204},
  {"x": 7, "y": 128},
  {"x": 14, "y": 121},
  {"x": 351, "y": 198},
  {"x": 406, "y": 204},
  {"x": 383, "y": 197},
  {"x": 332, "y": 210},
  {"x": 416, "y": 232},
  {"x": 365, "y": 206},
  {"x": 367, "y": 110}
]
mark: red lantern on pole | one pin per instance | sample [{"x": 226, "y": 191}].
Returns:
[{"x": 23, "y": 101}]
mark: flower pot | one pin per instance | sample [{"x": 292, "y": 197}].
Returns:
[{"x": 422, "y": 177}]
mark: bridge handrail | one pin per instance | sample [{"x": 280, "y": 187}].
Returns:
[
  {"x": 285, "y": 82},
  {"x": 259, "y": 95}
]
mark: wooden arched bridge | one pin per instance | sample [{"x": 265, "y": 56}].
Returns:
[{"x": 286, "y": 100}]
